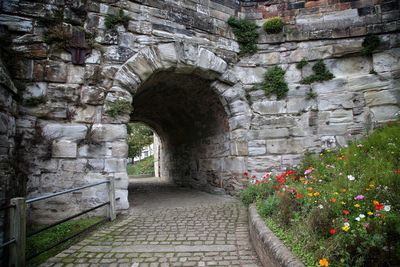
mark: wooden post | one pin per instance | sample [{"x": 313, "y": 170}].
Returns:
[
  {"x": 111, "y": 197},
  {"x": 18, "y": 231}
]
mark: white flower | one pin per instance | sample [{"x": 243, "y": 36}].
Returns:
[
  {"x": 362, "y": 216},
  {"x": 387, "y": 208},
  {"x": 358, "y": 219},
  {"x": 321, "y": 206},
  {"x": 346, "y": 224},
  {"x": 351, "y": 177}
]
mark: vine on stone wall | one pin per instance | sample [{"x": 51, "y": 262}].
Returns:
[
  {"x": 321, "y": 73},
  {"x": 113, "y": 20},
  {"x": 274, "y": 83},
  {"x": 246, "y": 34}
]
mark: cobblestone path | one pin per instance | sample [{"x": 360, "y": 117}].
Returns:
[{"x": 169, "y": 226}]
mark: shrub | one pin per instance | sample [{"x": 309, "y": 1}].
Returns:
[
  {"x": 370, "y": 44},
  {"x": 248, "y": 195},
  {"x": 118, "y": 107},
  {"x": 274, "y": 82},
  {"x": 300, "y": 65},
  {"x": 246, "y": 34},
  {"x": 267, "y": 207},
  {"x": 113, "y": 20},
  {"x": 321, "y": 73},
  {"x": 273, "y": 25}
]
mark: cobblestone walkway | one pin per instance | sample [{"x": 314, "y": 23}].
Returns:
[{"x": 169, "y": 226}]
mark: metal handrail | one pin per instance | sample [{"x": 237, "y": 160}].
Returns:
[
  {"x": 67, "y": 219},
  {"x": 64, "y": 192},
  {"x": 9, "y": 242}
]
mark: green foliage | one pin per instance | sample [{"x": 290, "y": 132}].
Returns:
[
  {"x": 35, "y": 101},
  {"x": 274, "y": 82},
  {"x": 118, "y": 107},
  {"x": 52, "y": 20},
  {"x": 333, "y": 188},
  {"x": 50, "y": 237},
  {"x": 246, "y": 34},
  {"x": 370, "y": 44},
  {"x": 273, "y": 25},
  {"x": 321, "y": 73},
  {"x": 145, "y": 166},
  {"x": 249, "y": 195},
  {"x": 300, "y": 65},
  {"x": 113, "y": 20},
  {"x": 57, "y": 35},
  {"x": 139, "y": 136},
  {"x": 311, "y": 95}
]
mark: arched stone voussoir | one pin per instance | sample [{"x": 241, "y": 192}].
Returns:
[
  {"x": 145, "y": 62},
  {"x": 127, "y": 79},
  {"x": 208, "y": 61},
  {"x": 118, "y": 93}
]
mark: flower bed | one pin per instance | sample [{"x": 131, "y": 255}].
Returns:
[{"x": 340, "y": 208}]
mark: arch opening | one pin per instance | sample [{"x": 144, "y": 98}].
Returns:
[{"x": 192, "y": 125}]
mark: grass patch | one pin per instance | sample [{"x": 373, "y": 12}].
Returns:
[
  {"x": 53, "y": 235},
  {"x": 246, "y": 34},
  {"x": 145, "y": 166},
  {"x": 339, "y": 207},
  {"x": 273, "y": 25}
]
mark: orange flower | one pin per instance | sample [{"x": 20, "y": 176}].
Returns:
[
  {"x": 344, "y": 190},
  {"x": 323, "y": 262},
  {"x": 316, "y": 194},
  {"x": 333, "y": 200},
  {"x": 309, "y": 188}
]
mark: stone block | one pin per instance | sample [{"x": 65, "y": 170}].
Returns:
[
  {"x": 122, "y": 203},
  {"x": 55, "y": 71},
  {"x": 64, "y": 149},
  {"x": 35, "y": 89},
  {"x": 93, "y": 95},
  {"x": 384, "y": 97},
  {"x": 263, "y": 164},
  {"x": 115, "y": 165},
  {"x": 126, "y": 78},
  {"x": 144, "y": 63},
  {"x": 367, "y": 82},
  {"x": 337, "y": 116},
  {"x": 120, "y": 149},
  {"x": 333, "y": 86},
  {"x": 118, "y": 54},
  {"x": 268, "y": 133},
  {"x": 168, "y": 55},
  {"x": 234, "y": 164},
  {"x": 95, "y": 164},
  {"x": 121, "y": 180},
  {"x": 335, "y": 101},
  {"x": 257, "y": 147},
  {"x": 269, "y": 107},
  {"x": 85, "y": 114},
  {"x": 249, "y": 75},
  {"x": 241, "y": 121},
  {"x": 76, "y": 165},
  {"x": 239, "y": 107},
  {"x": 385, "y": 113},
  {"x": 94, "y": 57},
  {"x": 76, "y": 74},
  {"x": 387, "y": 61},
  {"x": 287, "y": 146},
  {"x": 208, "y": 61},
  {"x": 109, "y": 132},
  {"x": 300, "y": 104},
  {"x": 239, "y": 148},
  {"x": 349, "y": 66},
  {"x": 67, "y": 131},
  {"x": 15, "y": 23}
]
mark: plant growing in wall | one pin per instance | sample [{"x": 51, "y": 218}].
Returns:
[
  {"x": 273, "y": 25},
  {"x": 246, "y": 34},
  {"x": 274, "y": 82},
  {"x": 35, "y": 101},
  {"x": 113, "y": 20},
  {"x": 321, "y": 73},
  {"x": 370, "y": 44},
  {"x": 301, "y": 64},
  {"x": 118, "y": 107}
]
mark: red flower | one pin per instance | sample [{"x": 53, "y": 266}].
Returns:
[
  {"x": 345, "y": 212},
  {"x": 345, "y": 219},
  {"x": 379, "y": 206},
  {"x": 299, "y": 196},
  {"x": 332, "y": 231},
  {"x": 257, "y": 182},
  {"x": 245, "y": 174}
]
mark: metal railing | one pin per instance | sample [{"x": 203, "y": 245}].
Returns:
[{"x": 18, "y": 211}]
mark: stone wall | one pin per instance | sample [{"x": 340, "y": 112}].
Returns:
[
  {"x": 177, "y": 63},
  {"x": 9, "y": 184}
]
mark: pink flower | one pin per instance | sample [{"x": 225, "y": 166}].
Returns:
[
  {"x": 308, "y": 171},
  {"x": 359, "y": 197}
]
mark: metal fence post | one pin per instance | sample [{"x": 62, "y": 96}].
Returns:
[
  {"x": 18, "y": 231},
  {"x": 111, "y": 197}
]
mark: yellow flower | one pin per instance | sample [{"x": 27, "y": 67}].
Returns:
[
  {"x": 357, "y": 205},
  {"x": 346, "y": 228},
  {"x": 316, "y": 194},
  {"x": 371, "y": 185},
  {"x": 310, "y": 194},
  {"x": 370, "y": 213},
  {"x": 323, "y": 262},
  {"x": 343, "y": 203},
  {"x": 336, "y": 193}
]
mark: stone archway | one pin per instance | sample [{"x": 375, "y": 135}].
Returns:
[{"x": 178, "y": 90}]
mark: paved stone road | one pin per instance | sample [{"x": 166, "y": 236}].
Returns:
[{"x": 169, "y": 226}]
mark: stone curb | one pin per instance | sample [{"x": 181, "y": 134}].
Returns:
[{"x": 270, "y": 250}]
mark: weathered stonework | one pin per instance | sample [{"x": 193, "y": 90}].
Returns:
[{"x": 177, "y": 63}]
